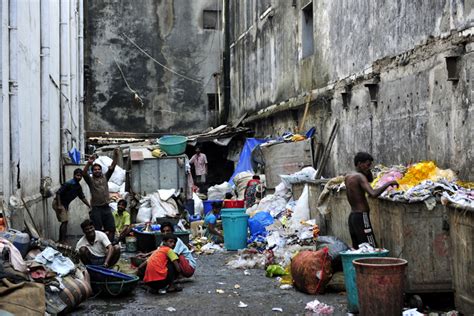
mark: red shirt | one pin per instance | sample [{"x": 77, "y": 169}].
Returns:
[{"x": 156, "y": 269}]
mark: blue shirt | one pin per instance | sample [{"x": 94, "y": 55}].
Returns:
[
  {"x": 210, "y": 219},
  {"x": 182, "y": 249},
  {"x": 69, "y": 191}
]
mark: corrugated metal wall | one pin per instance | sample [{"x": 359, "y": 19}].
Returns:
[{"x": 42, "y": 101}]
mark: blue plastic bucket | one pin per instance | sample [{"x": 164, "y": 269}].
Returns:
[
  {"x": 233, "y": 211},
  {"x": 235, "y": 231},
  {"x": 350, "y": 276},
  {"x": 208, "y": 205}
]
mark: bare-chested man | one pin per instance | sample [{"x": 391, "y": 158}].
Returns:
[{"x": 357, "y": 185}]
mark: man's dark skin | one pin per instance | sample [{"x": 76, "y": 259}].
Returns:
[
  {"x": 63, "y": 226},
  {"x": 113, "y": 252},
  {"x": 357, "y": 185}
]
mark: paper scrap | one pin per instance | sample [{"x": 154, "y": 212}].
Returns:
[
  {"x": 242, "y": 304},
  {"x": 220, "y": 291},
  {"x": 171, "y": 309},
  {"x": 236, "y": 286},
  {"x": 277, "y": 309}
]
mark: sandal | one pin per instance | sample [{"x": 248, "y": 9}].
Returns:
[{"x": 174, "y": 288}]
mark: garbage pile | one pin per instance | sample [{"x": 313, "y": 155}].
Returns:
[
  {"x": 46, "y": 278},
  {"x": 424, "y": 181},
  {"x": 286, "y": 243}
]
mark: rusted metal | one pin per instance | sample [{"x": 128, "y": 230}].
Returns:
[{"x": 461, "y": 224}]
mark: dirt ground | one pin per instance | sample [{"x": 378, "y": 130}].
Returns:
[{"x": 199, "y": 296}]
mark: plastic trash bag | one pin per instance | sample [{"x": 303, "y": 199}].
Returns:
[
  {"x": 335, "y": 247},
  {"x": 198, "y": 205},
  {"x": 75, "y": 155},
  {"x": 144, "y": 212},
  {"x": 305, "y": 174},
  {"x": 274, "y": 270},
  {"x": 258, "y": 223},
  {"x": 301, "y": 209}
]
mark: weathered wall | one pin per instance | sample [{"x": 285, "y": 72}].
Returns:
[
  {"x": 172, "y": 33},
  {"x": 42, "y": 93},
  {"x": 419, "y": 114}
]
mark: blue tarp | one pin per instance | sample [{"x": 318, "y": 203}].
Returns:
[{"x": 245, "y": 163}]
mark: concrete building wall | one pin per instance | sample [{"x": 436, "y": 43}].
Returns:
[
  {"x": 159, "y": 50},
  {"x": 419, "y": 115},
  {"x": 41, "y": 104}
]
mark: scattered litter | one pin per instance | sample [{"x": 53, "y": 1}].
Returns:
[
  {"x": 210, "y": 248},
  {"x": 236, "y": 286},
  {"x": 319, "y": 308},
  {"x": 171, "y": 309},
  {"x": 220, "y": 291},
  {"x": 452, "y": 313},
  {"x": 246, "y": 272},
  {"x": 412, "y": 312},
  {"x": 286, "y": 287},
  {"x": 209, "y": 292},
  {"x": 277, "y": 309},
  {"x": 242, "y": 304},
  {"x": 220, "y": 283},
  {"x": 364, "y": 248}
]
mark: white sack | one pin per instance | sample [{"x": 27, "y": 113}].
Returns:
[
  {"x": 113, "y": 188},
  {"x": 198, "y": 205},
  {"x": 305, "y": 174},
  {"x": 118, "y": 177}
]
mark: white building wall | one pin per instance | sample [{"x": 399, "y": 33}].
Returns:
[{"x": 41, "y": 85}]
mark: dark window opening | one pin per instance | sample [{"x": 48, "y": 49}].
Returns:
[
  {"x": 307, "y": 40},
  {"x": 212, "y": 101},
  {"x": 211, "y": 19}
]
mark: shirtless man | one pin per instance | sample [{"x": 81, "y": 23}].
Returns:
[{"x": 357, "y": 185}]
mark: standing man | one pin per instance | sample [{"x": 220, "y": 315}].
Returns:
[
  {"x": 357, "y": 185},
  {"x": 122, "y": 220},
  {"x": 101, "y": 215},
  {"x": 199, "y": 160},
  {"x": 64, "y": 196}
]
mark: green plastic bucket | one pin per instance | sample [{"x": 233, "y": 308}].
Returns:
[
  {"x": 233, "y": 211},
  {"x": 173, "y": 144},
  {"x": 350, "y": 276},
  {"x": 235, "y": 231}
]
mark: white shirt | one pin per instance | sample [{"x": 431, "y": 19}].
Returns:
[
  {"x": 200, "y": 162},
  {"x": 99, "y": 247}
]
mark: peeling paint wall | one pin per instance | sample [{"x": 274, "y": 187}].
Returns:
[
  {"x": 419, "y": 114},
  {"x": 42, "y": 93},
  {"x": 172, "y": 33}
]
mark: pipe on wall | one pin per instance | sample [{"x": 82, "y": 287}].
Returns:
[{"x": 6, "y": 183}]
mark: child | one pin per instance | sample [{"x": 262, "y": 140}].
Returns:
[
  {"x": 211, "y": 232},
  {"x": 162, "y": 267}
]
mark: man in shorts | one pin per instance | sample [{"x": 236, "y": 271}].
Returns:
[
  {"x": 357, "y": 185},
  {"x": 64, "y": 196}
]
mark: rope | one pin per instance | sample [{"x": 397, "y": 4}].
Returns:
[
  {"x": 136, "y": 96},
  {"x": 156, "y": 61}
]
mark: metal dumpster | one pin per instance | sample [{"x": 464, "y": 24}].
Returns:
[
  {"x": 315, "y": 188},
  {"x": 461, "y": 222},
  {"x": 420, "y": 236},
  {"x": 149, "y": 175}
]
